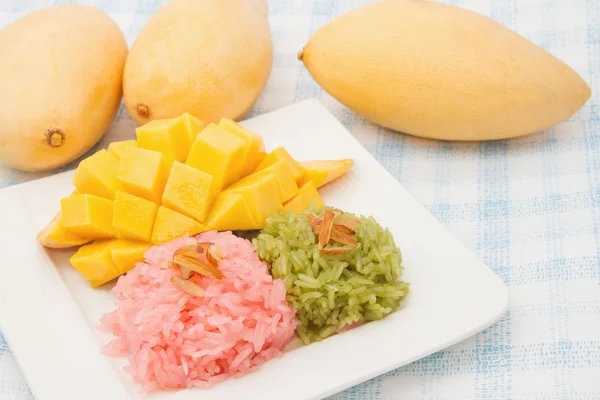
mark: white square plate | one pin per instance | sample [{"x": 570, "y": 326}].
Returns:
[{"x": 49, "y": 313}]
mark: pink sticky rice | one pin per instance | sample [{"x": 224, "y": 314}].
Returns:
[{"x": 175, "y": 340}]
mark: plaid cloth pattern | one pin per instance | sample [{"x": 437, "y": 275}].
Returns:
[{"x": 530, "y": 208}]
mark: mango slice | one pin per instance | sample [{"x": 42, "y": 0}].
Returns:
[
  {"x": 95, "y": 263},
  {"x": 133, "y": 217},
  {"x": 117, "y": 148},
  {"x": 126, "y": 253},
  {"x": 170, "y": 224},
  {"x": 285, "y": 179},
  {"x": 281, "y": 154},
  {"x": 304, "y": 199},
  {"x": 230, "y": 212},
  {"x": 219, "y": 153},
  {"x": 256, "y": 147},
  {"x": 321, "y": 172},
  {"x": 87, "y": 215},
  {"x": 142, "y": 173},
  {"x": 97, "y": 175},
  {"x": 172, "y": 137},
  {"x": 188, "y": 191},
  {"x": 261, "y": 193},
  {"x": 56, "y": 237}
]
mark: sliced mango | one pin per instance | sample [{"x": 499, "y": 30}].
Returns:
[
  {"x": 172, "y": 137},
  {"x": 188, "y": 191},
  {"x": 117, "y": 148},
  {"x": 230, "y": 212},
  {"x": 261, "y": 193},
  {"x": 126, "y": 253},
  {"x": 133, "y": 217},
  {"x": 87, "y": 215},
  {"x": 218, "y": 153},
  {"x": 142, "y": 173},
  {"x": 170, "y": 224},
  {"x": 97, "y": 175},
  {"x": 95, "y": 263},
  {"x": 307, "y": 195},
  {"x": 256, "y": 146},
  {"x": 321, "y": 172},
  {"x": 285, "y": 179},
  {"x": 55, "y": 236},
  {"x": 281, "y": 154}
]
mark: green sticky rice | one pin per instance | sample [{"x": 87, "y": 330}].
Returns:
[{"x": 331, "y": 292}]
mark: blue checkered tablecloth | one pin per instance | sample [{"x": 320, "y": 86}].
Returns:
[{"x": 530, "y": 208}]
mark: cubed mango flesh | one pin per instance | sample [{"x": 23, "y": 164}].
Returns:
[
  {"x": 285, "y": 179},
  {"x": 256, "y": 146},
  {"x": 230, "y": 212},
  {"x": 142, "y": 173},
  {"x": 95, "y": 263},
  {"x": 189, "y": 191},
  {"x": 172, "y": 137},
  {"x": 126, "y": 253},
  {"x": 55, "y": 236},
  {"x": 322, "y": 172},
  {"x": 87, "y": 215},
  {"x": 97, "y": 175},
  {"x": 281, "y": 154},
  {"x": 170, "y": 224},
  {"x": 307, "y": 196},
  {"x": 261, "y": 193},
  {"x": 218, "y": 153},
  {"x": 133, "y": 217},
  {"x": 193, "y": 124},
  {"x": 117, "y": 148}
]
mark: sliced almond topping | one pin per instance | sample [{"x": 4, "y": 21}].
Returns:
[
  {"x": 343, "y": 237},
  {"x": 203, "y": 247},
  {"x": 315, "y": 222},
  {"x": 316, "y": 226},
  {"x": 186, "y": 273},
  {"x": 326, "y": 226},
  {"x": 214, "y": 254},
  {"x": 344, "y": 229},
  {"x": 188, "y": 286},
  {"x": 186, "y": 249},
  {"x": 199, "y": 265},
  {"x": 337, "y": 250},
  {"x": 349, "y": 222}
]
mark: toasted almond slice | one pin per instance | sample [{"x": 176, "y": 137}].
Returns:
[
  {"x": 326, "y": 226},
  {"x": 188, "y": 286},
  {"x": 337, "y": 250},
  {"x": 186, "y": 249},
  {"x": 338, "y": 227},
  {"x": 199, "y": 265},
  {"x": 214, "y": 254},
  {"x": 203, "y": 247},
  {"x": 343, "y": 237},
  {"x": 349, "y": 222},
  {"x": 315, "y": 222},
  {"x": 344, "y": 229},
  {"x": 186, "y": 273}
]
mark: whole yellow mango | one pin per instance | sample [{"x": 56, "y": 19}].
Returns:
[
  {"x": 439, "y": 71},
  {"x": 211, "y": 58},
  {"x": 61, "y": 70}
]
